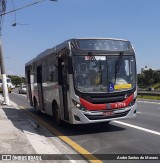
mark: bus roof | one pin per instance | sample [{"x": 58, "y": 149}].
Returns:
[
  {"x": 95, "y": 38},
  {"x": 57, "y": 47}
]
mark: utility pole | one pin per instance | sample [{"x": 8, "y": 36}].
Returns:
[{"x": 3, "y": 73}]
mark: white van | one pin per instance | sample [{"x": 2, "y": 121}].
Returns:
[{"x": 9, "y": 85}]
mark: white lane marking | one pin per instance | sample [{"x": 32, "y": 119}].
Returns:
[
  {"x": 139, "y": 112},
  {"x": 19, "y": 94},
  {"x": 139, "y": 128},
  {"x": 150, "y": 102}
]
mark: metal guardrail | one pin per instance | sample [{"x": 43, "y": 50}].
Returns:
[{"x": 151, "y": 93}]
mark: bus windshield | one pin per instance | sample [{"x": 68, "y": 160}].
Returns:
[{"x": 104, "y": 77}]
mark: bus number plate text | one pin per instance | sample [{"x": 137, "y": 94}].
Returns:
[{"x": 107, "y": 113}]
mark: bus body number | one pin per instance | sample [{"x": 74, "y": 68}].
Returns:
[{"x": 120, "y": 104}]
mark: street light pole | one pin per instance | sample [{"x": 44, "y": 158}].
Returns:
[{"x": 4, "y": 79}]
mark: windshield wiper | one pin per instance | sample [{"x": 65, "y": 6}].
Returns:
[
  {"x": 98, "y": 64},
  {"x": 118, "y": 64},
  {"x": 92, "y": 57}
]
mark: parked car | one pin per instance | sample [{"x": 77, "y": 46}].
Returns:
[
  {"x": 12, "y": 86},
  {"x": 22, "y": 89},
  {"x": 150, "y": 89}
]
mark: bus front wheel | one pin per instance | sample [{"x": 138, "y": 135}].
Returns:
[
  {"x": 36, "y": 106},
  {"x": 56, "y": 114}
]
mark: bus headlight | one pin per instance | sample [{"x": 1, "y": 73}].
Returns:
[
  {"x": 79, "y": 106},
  {"x": 132, "y": 102}
]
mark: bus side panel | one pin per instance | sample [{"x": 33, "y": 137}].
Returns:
[
  {"x": 51, "y": 93},
  {"x": 50, "y": 83}
]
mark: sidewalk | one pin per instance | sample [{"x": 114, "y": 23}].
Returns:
[{"x": 19, "y": 134}]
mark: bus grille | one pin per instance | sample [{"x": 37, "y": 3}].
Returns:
[
  {"x": 104, "y": 99},
  {"x": 98, "y": 117}
]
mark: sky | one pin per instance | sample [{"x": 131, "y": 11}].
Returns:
[{"x": 50, "y": 23}]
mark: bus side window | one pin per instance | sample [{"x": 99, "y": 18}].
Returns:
[
  {"x": 53, "y": 73},
  {"x": 44, "y": 70},
  {"x": 52, "y": 70}
]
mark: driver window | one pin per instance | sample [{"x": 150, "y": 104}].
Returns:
[{"x": 127, "y": 67}]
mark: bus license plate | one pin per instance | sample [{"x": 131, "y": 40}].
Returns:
[{"x": 107, "y": 113}]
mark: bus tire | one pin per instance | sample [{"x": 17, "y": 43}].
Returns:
[
  {"x": 56, "y": 114},
  {"x": 36, "y": 107}
]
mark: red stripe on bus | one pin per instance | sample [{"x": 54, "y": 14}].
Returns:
[{"x": 116, "y": 105}]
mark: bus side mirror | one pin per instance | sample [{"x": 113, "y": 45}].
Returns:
[{"x": 70, "y": 65}]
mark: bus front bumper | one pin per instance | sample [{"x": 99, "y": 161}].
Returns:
[{"x": 84, "y": 117}]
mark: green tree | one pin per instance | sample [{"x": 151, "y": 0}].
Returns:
[
  {"x": 148, "y": 78},
  {"x": 17, "y": 80},
  {"x": 156, "y": 77}
]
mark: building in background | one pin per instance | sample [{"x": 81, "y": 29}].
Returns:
[{"x": 145, "y": 68}]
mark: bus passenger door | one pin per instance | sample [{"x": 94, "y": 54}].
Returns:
[
  {"x": 29, "y": 87},
  {"x": 40, "y": 88},
  {"x": 63, "y": 80}
]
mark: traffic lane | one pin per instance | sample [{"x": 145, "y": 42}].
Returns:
[
  {"x": 149, "y": 107},
  {"x": 124, "y": 140},
  {"x": 148, "y": 116},
  {"x": 90, "y": 131},
  {"x": 16, "y": 90},
  {"x": 108, "y": 139},
  {"x": 42, "y": 116},
  {"x": 91, "y": 137},
  {"x": 19, "y": 99}
]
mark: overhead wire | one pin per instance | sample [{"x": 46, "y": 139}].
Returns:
[
  {"x": 31, "y": 4},
  {"x": 3, "y": 11}
]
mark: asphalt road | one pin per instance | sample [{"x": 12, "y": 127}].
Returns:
[{"x": 140, "y": 135}]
